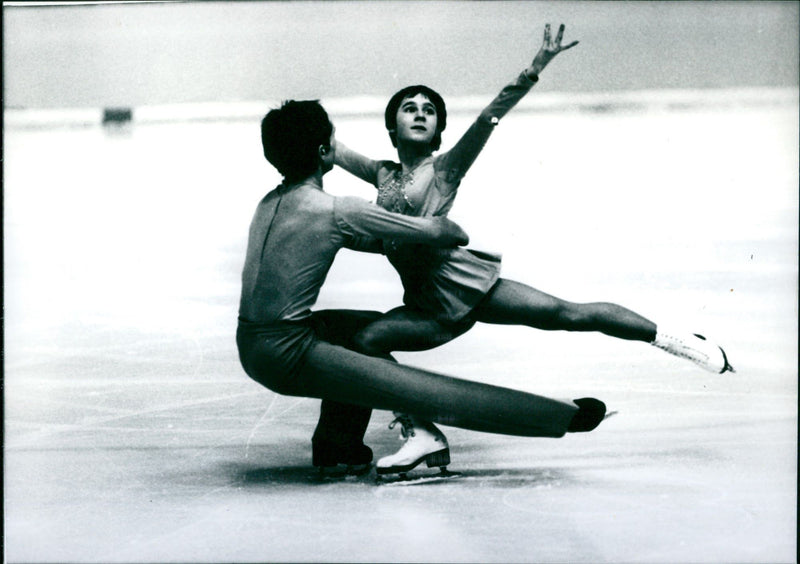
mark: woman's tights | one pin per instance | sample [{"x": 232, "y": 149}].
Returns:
[{"x": 508, "y": 303}]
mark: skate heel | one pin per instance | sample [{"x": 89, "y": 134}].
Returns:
[{"x": 439, "y": 458}]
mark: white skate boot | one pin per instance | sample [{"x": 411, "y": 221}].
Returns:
[
  {"x": 696, "y": 348},
  {"x": 424, "y": 442}
]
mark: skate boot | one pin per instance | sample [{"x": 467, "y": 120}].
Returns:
[
  {"x": 339, "y": 439},
  {"x": 328, "y": 455},
  {"x": 424, "y": 442},
  {"x": 696, "y": 348},
  {"x": 591, "y": 413}
]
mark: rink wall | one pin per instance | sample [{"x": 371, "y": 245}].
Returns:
[{"x": 370, "y": 106}]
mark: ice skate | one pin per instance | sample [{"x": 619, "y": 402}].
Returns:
[
  {"x": 424, "y": 443},
  {"x": 696, "y": 348},
  {"x": 337, "y": 447},
  {"x": 333, "y": 459},
  {"x": 591, "y": 412}
]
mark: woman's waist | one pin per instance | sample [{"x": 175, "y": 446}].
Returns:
[
  {"x": 453, "y": 268},
  {"x": 421, "y": 256}
]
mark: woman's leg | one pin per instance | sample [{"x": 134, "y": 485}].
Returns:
[
  {"x": 512, "y": 303},
  {"x": 404, "y": 329}
]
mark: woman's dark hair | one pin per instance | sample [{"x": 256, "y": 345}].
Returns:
[
  {"x": 291, "y": 137},
  {"x": 390, "y": 117}
]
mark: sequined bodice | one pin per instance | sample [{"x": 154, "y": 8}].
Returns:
[{"x": 392, "y": 193}]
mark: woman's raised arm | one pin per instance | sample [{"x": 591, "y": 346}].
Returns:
[{"x": 458, "y": 159}]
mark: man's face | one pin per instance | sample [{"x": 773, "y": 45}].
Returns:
[{"x": 328, "y": 157}]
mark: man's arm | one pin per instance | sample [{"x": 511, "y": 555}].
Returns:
[
  {"x": 358, "y": 218},
  {"x": 365, "y": 244}
]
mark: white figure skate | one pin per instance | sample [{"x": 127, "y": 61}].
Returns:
[
  {"x": 696, "y": 348},
  {"x": 424, "y": 443}
]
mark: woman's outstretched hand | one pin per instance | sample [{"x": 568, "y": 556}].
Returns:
[{"x": 548, "y": 50}]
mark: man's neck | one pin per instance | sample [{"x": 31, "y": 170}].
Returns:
[{"x": 313, "y": 181}]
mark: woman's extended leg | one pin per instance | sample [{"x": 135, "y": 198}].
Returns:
[{"x": 512, "y": 303}]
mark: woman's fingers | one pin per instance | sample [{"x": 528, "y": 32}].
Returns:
[
  {"x": 555, "y": 47},
  {"x": 573, "y": 44},
  {"x": 560, "y": 35}
]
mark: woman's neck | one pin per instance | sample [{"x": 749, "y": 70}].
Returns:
[{"x": 411, "y": 155}]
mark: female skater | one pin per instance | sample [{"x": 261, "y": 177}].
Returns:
[
  {"x": 448, "y": 290},
  {"x": 294, "y": 236}
]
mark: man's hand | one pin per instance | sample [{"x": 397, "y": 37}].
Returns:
[
  {"x": 548, "y": 51},
  {"x": 450, "y": 233}
]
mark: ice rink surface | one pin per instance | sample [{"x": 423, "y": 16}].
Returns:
[{"x": 133, "y": 435}]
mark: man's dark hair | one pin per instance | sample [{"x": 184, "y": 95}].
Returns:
[
  {"x": 291, "y": 137},
  {"x": 390, "y": 116}
]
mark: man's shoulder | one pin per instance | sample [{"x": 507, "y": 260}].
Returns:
[
  {"x": 313, "y": 198},
  {"x": 349, "y": 205}
]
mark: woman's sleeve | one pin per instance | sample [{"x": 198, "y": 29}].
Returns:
[
  {"x": 356, "y": 164},
  {"x": 456, "y": 162}
]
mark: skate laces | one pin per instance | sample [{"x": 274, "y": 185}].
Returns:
[{"x": 406, "y": 426}]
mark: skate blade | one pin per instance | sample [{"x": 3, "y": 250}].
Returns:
[
  {"x": 326, "y": 473},
  {"x": 403, "y": 479},
  {"x": 727, "y": 367}
]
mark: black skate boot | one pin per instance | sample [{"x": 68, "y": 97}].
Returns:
[
  {"x": 328, "y": 454},
  {"x": 590, "y": 414},
  {"x": 338, "y": 439}
]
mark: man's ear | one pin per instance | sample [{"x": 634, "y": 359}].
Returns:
[{"x": 323, "y": 150}]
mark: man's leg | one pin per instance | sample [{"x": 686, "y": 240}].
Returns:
[
  {"x": 335, "y": 373},
  {"x": 339, "y": 435},
  {"x": 405, "y": 329}
]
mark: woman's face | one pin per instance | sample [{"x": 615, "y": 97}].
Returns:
[{"x": 416, "y": 120}]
